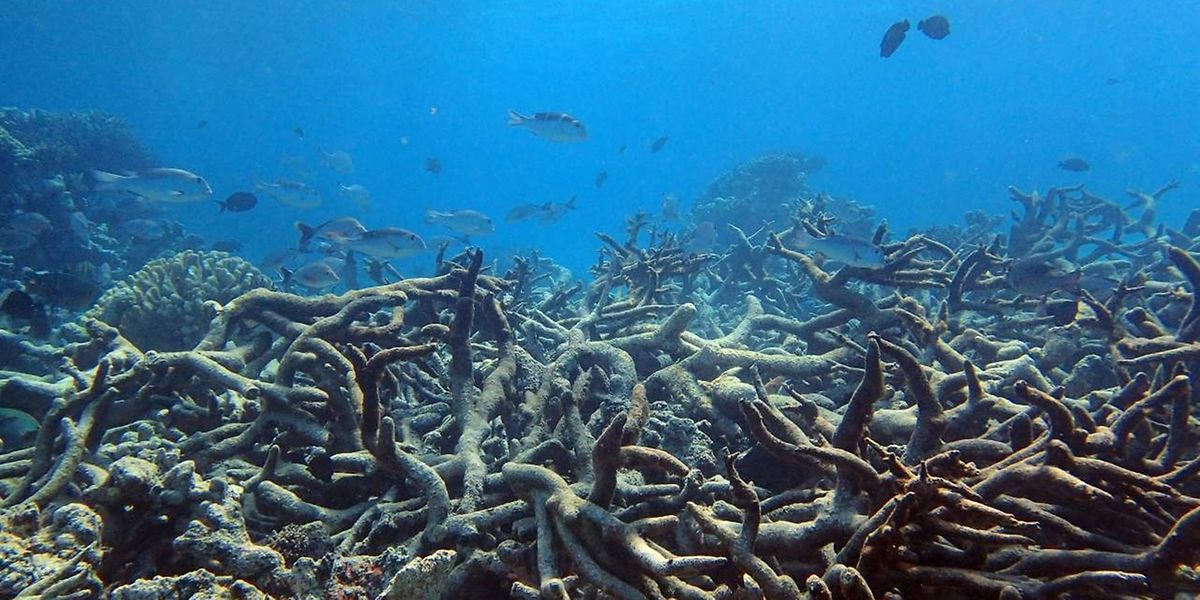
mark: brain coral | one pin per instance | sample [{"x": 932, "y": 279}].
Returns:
[{"x": 161, "y": 306}]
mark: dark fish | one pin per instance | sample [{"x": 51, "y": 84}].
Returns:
[
  {"x": 238, "y": 202},
  {"x": 601, "y": 177},
  {"x": 433, "y": 165},
  {"x": 20, "y": 305},
  {"x": 1075, "y": 164},
  {"x": 812, "y": 164},
  {"x": 1037, "y": 275},
  {"x": 621, "y": 149},
  {"x": 893, "y": 37},
  {"x": 229, "y": 246},
  {"x": 202, "y": 124},
  {"x": 321, "y": 465},
  {"x": 1113, "y": 81},
  {"x": 62, "y": 289},
  {"x": 936, "y": 27},
  {"x": 658, "y": 144},
  {"x": 299, "y": 132}
]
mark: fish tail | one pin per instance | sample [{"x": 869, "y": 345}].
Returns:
[
  {"x": 515, "y": 118},
  {"x": 306, "y": 233},
  {"x": 222, "y": 205}
]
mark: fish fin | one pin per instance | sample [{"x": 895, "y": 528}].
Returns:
[
  {"x": 515, "y": 118},
  {"x": 104, "y": 179},
  {"x": 306, "y": 234},
  {"x": 221, "y": 204}
]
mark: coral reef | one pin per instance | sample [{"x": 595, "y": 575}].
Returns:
[
  {"x": 759, "y": 422},
  {"x": 175, "y": 289}
]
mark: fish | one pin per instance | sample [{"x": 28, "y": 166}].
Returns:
[
  {"x": 60, "y": 288},
  {"x": 19, "y": 304},
  {"x": 145, "y": 229},
  {"x": 33, "y": 223},
  {"x": 79, "y": 225},
  {"x": 291, "y": 193},
  {"x": 357, "y": 194},
  {"x": 658, "y": 144},
  {"x": 601, "y": 177},
  {"x": 230, "y": 246},
  {"x": 670, "y": 206},
  {"x": 338, "y": 160},
  {"x": 813, "y": 164},
  {"x": 849, "y": 250},
  {"x": 1036, "y": 275},
  {"x": 1075, "y": 164},
  {"x": 17, "y": 428},
  {"x": 298, "y": 132},
  {"x": 466, "y": 222},
  {"x": 521, "y": 212},
  {"x": 621, "y": 149},
  {"x": 13, "y": 240},
  {"x": 433, "y": 165},
  {"x": 935, "y": 27},
  {"x": 701, "y": 237},
  {"x": 554, "y": 211},
  {"x": 202, "y": 124},
  {"x": 315, "y": 275},
  {"x": 893, "y": 37},
  {"x": 162, "y": 185},
  {"x": 387, "y": 242},
  {"x": 338, "y": 231},
  {"x": 238, "y": 202},
  {"x": 553, "y": 126},
  {"x": 279, "y": 258}
]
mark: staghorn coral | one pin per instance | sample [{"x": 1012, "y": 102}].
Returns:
[
  {"x": 162, "y": 305},
  {"x": 920, "y": 430}
]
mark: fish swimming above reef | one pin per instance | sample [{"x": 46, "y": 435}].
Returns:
[
  {"x": 466, "y": 222},
  {"x": 658, "y": 144},
  {"x": 1037, "y": 275},
  {"x": 60, "y": 288},
  {"x": 295, "y": 194},
  {"x": 230, "y": 246},
  {"x": 601, "y": 177},
  {"x": 1074, "y": 164},
  {"x": 553, "y": 126},
  {"x": 338, "y": 160},
  {"x": 357, "y": 194},
  {"x": 338, "y": 231},
  {"x": 936, "y": 27},
  {"x": 521, "y": 212},
  {"x": 892, "y": 38},
  {"x": 15, "y": 240},
  {"x": 298, "y": 132},
  {"x": 17, "y": 428},
  {"x": 433, "y": 165},
  {"x": 162, "y": 185},
  {"x": 553, "y": 211},
  {"x": 315, "y": 275},
  {"x": 238, "y": 202},
  {"x": 387, "y": 242},
  {"x": 33, "y": 223},
  {"x": 145, "y": 229},
  {"x": 669, "y": 206},
  {"x": 849, "y": 250}
]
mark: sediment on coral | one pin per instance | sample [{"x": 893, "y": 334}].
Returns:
[{"x": 760, "y": 422}]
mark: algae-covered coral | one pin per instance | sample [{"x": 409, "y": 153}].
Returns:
[
  {"x": 760, "y": 422},
  {"x": 162, "y": 306}
]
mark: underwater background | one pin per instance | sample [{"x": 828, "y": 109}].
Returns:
[
  {"x": 938, "y": 129},
  {"x": 578, "y": 300}
]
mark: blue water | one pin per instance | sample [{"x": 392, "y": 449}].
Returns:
[{"x": 939, "y": 128}]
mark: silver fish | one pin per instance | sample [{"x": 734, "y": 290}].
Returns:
[
  {"x": 163, "y": 185},
  {"x": 13, "y": 240},
  {"x": 338, "y": 231},
  {"x": 144, "y": 229},
  {"x": 33, "y": 223},
  {"x": 357, "y": 194},
  {"x": 553, "y": 126},
  {"x": 338, "y": 160},
  {"x": 855, "y": 252},
  {"x": 291, "y": 193},
  {"x": 466, "y": 222},
  {"x": 315, "y": 275},
  {"x": 554, "y": 211},
  {"x": 388, "y": 242},
  {"x": 521, "y": 212}
]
